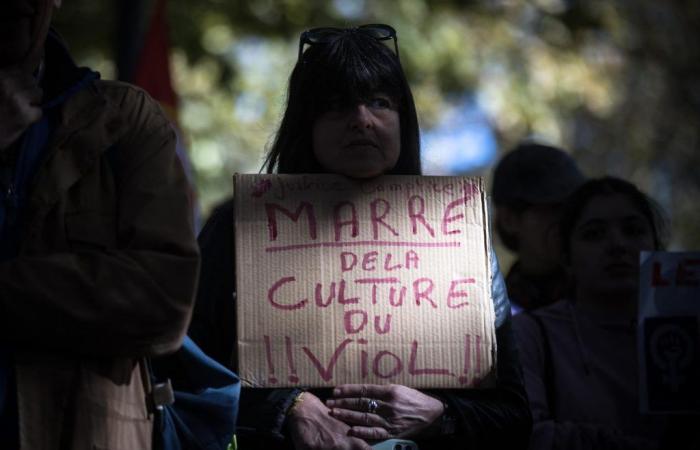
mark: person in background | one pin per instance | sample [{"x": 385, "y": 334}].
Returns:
[
  {"x": 579, "y": 355},
  {"x": 350, "y": 111},
  {"x": 530, "y": 183},
  {"x": 98, "y": 261}
]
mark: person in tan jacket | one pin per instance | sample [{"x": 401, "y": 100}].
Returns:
[{"x": 98, "y": 262}]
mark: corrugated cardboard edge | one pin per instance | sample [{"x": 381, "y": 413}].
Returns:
[{"x": 491, "y": 254}]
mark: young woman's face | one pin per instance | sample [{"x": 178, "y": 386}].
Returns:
[
  {"x": 605, "y": 245},
  {"x": 361, "y": 140}
]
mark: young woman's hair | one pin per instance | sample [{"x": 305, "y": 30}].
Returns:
[
  {"x": 343, "y": 71},
  {"x": 607, "y": 186}
]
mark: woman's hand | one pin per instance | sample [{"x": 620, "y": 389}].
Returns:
[
  {"x": 312, "y": 427},
  {"x": 377, "y": 412}
]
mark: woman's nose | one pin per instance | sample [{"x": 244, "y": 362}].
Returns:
[
  {"x": 617, "y": 248},
  {"x": 360, "y": 117},
  {"x": 618, "y": 242}
]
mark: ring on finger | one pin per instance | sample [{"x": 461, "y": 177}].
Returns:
[{"x": 372, "y": 406}]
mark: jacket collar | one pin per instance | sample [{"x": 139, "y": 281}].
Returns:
[{"x": 87, "y": 124}]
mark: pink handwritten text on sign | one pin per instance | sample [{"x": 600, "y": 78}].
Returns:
[{"x": 341, "y": 281}]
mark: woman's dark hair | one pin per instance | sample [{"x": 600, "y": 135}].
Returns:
[
  {"x": 345, "y": 71},
  {"x": 607, "y": 186}
]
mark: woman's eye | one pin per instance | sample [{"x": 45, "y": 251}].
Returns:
[
  {"x": 591, "y": 233},
  {"x": 379, "y": 102},
  {"x": 635, "y": 229},
  {"x": 334, "y": 105}
]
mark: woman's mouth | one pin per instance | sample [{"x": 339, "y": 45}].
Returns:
[
  {"x": 361, "y": 143},
  {"x": 621, "y": 269}
]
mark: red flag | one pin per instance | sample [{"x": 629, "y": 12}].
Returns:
[
  {"x": 153, "y": 68},
  {"x": 152, "y": 73}
]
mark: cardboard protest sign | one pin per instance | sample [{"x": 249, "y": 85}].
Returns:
[
  {"x": 379, "y": 281},
  {"x": 669, "y": 332}
]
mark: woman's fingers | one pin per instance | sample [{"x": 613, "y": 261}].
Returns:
[
  {"x": 366, "y": 419},
  {"x": 311, "y": 427},
  {"x": 379, "y": 412},
  {"x": 358, "y": 404},
  {"x": 358, "y": 444},
  {"x": 370, "y": 433},
  {"x": 375, "y": 391}
]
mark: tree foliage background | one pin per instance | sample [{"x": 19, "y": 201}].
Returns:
[{"x": 615, "y": 82}]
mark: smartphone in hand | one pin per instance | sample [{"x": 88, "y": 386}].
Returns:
[{"x": 395, "y": 444}]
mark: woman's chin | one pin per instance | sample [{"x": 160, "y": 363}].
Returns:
[
  {"x": 362, "y": 173},
  {"x": 619, "y": 292}
]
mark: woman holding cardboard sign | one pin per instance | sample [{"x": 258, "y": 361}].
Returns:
[{"x": 350, "y": 112}]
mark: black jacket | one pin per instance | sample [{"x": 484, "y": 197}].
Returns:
[{"x": 496, "y": 417}]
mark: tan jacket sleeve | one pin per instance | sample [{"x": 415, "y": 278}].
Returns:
[{"x": 131, "y": 294}]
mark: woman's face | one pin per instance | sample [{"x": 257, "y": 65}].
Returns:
[
  {"x": 605, "y": 245},
  {"x": 361, "y": 140}
]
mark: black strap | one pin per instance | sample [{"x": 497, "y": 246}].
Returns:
[
  {"x": 549, "y": 379},
  {"x": 158, "y": 394}
]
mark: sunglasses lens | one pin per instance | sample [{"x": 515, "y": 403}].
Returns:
[
  {"x": 378, "y": 31},
  {"x": 321, "y": 35}
]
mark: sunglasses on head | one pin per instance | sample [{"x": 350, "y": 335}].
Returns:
[{"x": 378, "y": 31}]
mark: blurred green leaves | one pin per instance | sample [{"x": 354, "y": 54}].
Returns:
[{"x": 615, "y": 82}]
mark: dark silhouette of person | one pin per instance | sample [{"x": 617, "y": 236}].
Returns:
[
  {"x": 530, "y": 183},
  {"x": 98, "y": 261}
]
